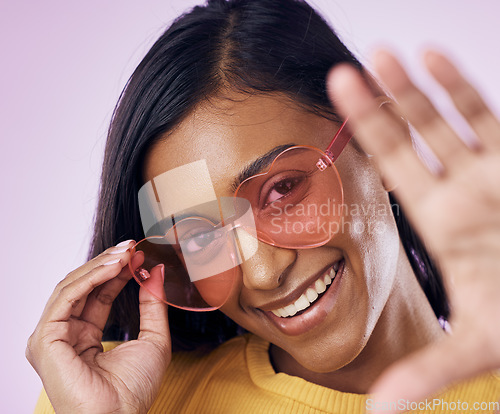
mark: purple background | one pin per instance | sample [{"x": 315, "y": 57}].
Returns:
[{"x": 63, "y": 67}]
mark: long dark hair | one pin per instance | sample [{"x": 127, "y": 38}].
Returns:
[{"x": 256, "y": 46}]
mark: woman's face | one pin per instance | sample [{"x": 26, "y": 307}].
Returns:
[{"x": 229, "y": 133}]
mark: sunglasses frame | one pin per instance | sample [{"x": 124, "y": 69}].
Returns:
[{"x": 326, "y": 159}]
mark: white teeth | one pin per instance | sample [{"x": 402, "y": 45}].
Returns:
[
  {"x": 302, "y": 303},
  {"x": 320, "y": 286},
  {"x": 290, "y": 310},
  {"x": 309, "y": 296}
]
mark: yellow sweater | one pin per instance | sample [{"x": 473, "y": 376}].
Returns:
[{"x": 238, "y": 377}]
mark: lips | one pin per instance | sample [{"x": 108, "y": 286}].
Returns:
[{"x": 299, "y": 317}]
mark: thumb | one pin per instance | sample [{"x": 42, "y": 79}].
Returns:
[
  {"x": 424, "y": 373},
  {"x": 153, "y": 309}
]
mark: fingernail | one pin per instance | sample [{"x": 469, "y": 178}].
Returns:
[
  {"x": 124, "y": 243},
  {"x": 111, "y": 262},
  {"x": 162, "y": 272},
  {"x": 123, "y": 250}
]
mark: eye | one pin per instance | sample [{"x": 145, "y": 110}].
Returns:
[
  {"x": 200, "y": 240},
  {"x": 197, "y": 242},
  {"x": 282, "y": 187}
]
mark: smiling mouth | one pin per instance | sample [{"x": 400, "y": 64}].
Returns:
[{"x": 311, "y": 294}]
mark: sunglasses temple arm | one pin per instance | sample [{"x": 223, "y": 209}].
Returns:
[
  {"x": 339, "y": 141},
  {"x": 344, "y": 135},
  {"x": 337, "y": 145}
]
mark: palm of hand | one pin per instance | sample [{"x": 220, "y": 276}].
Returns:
[
  {"x": 460, "y": 218},
  {"x": 65, "y": 348},
  {"x": 457, "y": 214}
]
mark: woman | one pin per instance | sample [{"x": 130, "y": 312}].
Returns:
[{"x": 231, "y": 86}]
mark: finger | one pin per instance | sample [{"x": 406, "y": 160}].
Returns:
[
  {"x": 123, "y": 254},
  {"x": 153, "y": 309},
  {"x": 121, "y": 251},
  {"x": 466, "y": 99},
  {"x": 100, "y": 300},
  {"x": 426, "y": 372},
  {"x": 379, "y": 134},
  {"x": 418, "y": 109},
  {"x": 71, "y": 296}
]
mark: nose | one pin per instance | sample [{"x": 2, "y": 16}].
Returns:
[{"x": 266, "y": 267}]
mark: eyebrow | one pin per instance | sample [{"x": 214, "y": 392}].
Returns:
[
  {"x": 176, "y": 218},
  {"x": 258, "y": 165}
]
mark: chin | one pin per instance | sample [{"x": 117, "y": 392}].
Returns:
[
  {"x": 337, "y": 349},
  {"x": 340, "y": 357}
]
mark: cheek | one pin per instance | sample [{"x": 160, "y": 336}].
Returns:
[
  {"x": 374, "y": 238},
  {"x": 369, "y": 232},
  {"x": 382, "y": 260},
  {"x": 215, "y": 290}
]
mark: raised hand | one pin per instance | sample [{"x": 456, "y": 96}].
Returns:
[
  {"x": 455, "y": 210},
  {"x": 65, "y": 348}
]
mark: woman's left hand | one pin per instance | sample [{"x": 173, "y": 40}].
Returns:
[{"x": 455, "y": 210}]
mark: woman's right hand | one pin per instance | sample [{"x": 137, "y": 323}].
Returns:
[{"x": 65, "y": 348}]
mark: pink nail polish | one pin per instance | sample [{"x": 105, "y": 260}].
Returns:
[
  {"x": 118, "y": 251},
  {"x": 124, "y": 243},
  {"x": 111, "y": 262},
  {"x": 142, "y": 274}
]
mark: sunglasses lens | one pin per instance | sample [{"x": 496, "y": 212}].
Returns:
[
  {"x": 200, "y": 257},
  {"x": 295, "y": 204}
]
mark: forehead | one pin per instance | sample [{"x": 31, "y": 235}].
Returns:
[{"x": 230, "y": 132}]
